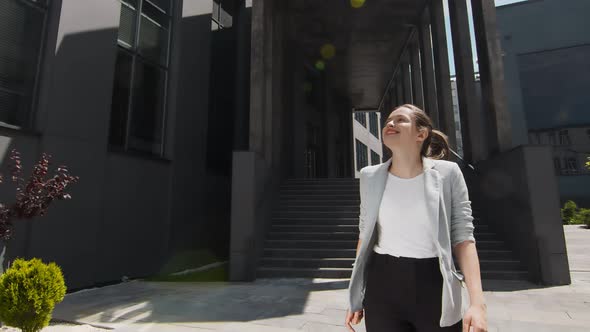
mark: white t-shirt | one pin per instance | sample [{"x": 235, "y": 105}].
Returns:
[{"x": 404, "y": 228}]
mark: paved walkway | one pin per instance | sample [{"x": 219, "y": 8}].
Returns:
[{"x": 283, "y": 305}]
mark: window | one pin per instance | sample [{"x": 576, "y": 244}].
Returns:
[
  {"x": 141, "y": 75},
  {"x": 361, "y": 117},
  {"x": 564, "y": 138},
  {"x": 375, "y": 158},
  {"x": 551, "y": 136},
  {"x": 571, "y": 165},
  {"x": 22, "y": 25},
  {"x": 361, "y": 155},
  {"x": 374, "y": 124},
  {"x": 221, "y": 17},
  {"x": 557, "y": 165}
]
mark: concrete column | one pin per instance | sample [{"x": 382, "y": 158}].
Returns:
[
  {"x": 491, "y": 70},
  {"x": 443, "y": 77},
  {"x": 399, "y": 89},
  {"x": 471, "y": 129},
  {"x": 417, "y": 91},
  {"x": 406, "y": 80},
  {"x": 427, "y": 62},
  {"x": 257, "y": 76}
]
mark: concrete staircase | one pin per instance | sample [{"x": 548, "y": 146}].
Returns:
[{"x": 314, "y": 233}]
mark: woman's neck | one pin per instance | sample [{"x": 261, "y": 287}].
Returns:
[{"x": 406, "y": 165}]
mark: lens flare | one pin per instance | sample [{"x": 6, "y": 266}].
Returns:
[
  {"x": 328, "y": 51},
  {"x": 357, "y": 3},
  {"x": 320, "y": 65}
]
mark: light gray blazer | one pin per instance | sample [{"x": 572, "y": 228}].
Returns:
[{"x": 447, "y": 202}]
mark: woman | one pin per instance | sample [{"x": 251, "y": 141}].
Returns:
[{"x": 415, "y": 214}]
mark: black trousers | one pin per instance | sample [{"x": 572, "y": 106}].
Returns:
[{"x": 404, "y": 294}]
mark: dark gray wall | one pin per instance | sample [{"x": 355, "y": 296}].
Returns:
[{"x": 129, "y": 213}]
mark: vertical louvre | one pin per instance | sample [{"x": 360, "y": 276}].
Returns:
[
  {"x": 21, "y": 30},
  {"x": 127, "y": 26}
]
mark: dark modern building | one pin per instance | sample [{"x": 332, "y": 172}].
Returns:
[
  {"x": 226, "y": 126},
  {"x": 547, "y": 67}
]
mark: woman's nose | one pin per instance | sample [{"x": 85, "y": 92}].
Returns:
[{"x": 390, "y": 124}]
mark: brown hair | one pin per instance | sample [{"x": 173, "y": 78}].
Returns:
[{"x": 436, "y": 145}]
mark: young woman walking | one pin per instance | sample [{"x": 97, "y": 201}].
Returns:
[{"x": 415, "y": 215}]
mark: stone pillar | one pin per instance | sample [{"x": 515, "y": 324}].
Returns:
[
  {"x": 443, "y": 77},
  {"x": 257, "y": 76},
  {"x": 427, "y": 65},
  {"x": 399, "y": 89},
  {"x": 491, "y": 70},
  {"x": 471, "y": 128},
  {"x": 417, "y": 91}
]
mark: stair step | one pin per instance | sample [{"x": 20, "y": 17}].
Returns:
[
  {"x": 321, "y": 228},
  {"x": 309, "y": 253},
  {"x": 328, "y": 208},
  {"x": 305, "y": 191},
  {"x": 335, "y": 235},
  {"x": 494, "y": 254},
  {"x": 314, "y": 214},
  {"x": 316, "y": 196},
  {"x": 500, "y": 265},
  {"x": 312, "y": 244},
  {"x": 323, "y": 202},
  {"x": 490, "y": 245},
  {"x": 331, "y": 273},
  {"x": 504, "y": 275},
  {"x": 320, "y": 186},
  {"x": 307, "y": 262}
]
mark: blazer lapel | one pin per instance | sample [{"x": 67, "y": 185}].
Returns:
[{"x": 432, "y": 187}]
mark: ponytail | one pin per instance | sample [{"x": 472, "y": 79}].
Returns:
[{"x": 437, "y": 147}]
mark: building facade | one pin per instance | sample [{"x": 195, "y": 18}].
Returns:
[
  {"x": 184, "y": 117},
  {"x": 547, "y": 69}
]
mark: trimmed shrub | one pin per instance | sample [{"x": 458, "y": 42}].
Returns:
[
  {"x": 29, "y": 291},
  {"x": 582, "y": 217},
  {"x": 568, "y": 212}
]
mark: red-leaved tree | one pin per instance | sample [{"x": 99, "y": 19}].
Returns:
[{"x": 33, "y": 196}]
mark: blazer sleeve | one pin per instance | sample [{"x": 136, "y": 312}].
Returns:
[
  {"x": 461, "y": 214},
  {"x": 363, "y": 198}
]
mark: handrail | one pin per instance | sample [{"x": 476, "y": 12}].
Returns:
[{"x": 463, "y": 160}]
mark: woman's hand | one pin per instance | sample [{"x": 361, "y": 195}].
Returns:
[
  {"x": 475, "y": 317},
  {"x": 353, "y": 318}
]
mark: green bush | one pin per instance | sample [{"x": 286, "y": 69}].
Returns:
[
  {"x": 568, "y": 212},
  {"x": 29, "y": 291},
  {"x": 582, "y": 217}
]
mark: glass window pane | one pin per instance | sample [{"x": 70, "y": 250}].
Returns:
[
  {"x": 225, "y": 19},
  {"x": 21, "y": 32},
  {"x": 153, "y": 41},
  {"x": 147, "y": 115},
  {"x": 127, "y": 24},
  {"x": 11, "y": 106},
  {"x": 164, "y": 5},
  {"x": 121, "y": 95}
]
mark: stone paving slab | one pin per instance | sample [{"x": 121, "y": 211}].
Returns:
[{"x": 316, "y": 305}]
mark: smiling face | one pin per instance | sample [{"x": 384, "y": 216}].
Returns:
[{"x": 400, "y": 131}]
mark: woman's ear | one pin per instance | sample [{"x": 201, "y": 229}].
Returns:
[{"x": 422, "y": 135}]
